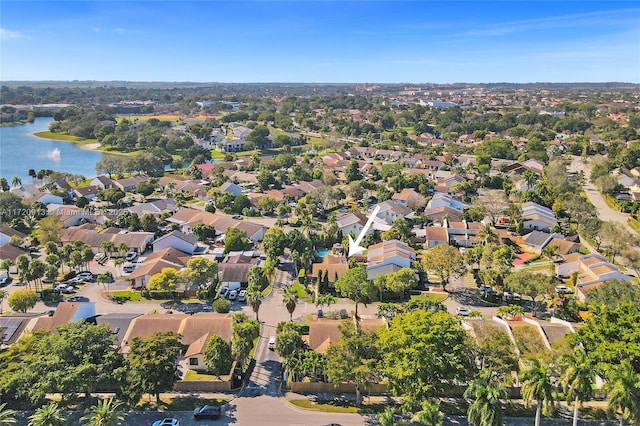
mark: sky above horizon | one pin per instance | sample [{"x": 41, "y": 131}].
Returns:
[{"x": 321, "y": 41}]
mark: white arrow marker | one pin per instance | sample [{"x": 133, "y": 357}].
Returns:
[{"x": 354, "y": 246}]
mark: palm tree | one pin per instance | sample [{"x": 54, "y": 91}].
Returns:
[
  {"x": 486, "y": 409},
  {"x": 254, "y": 299},
  {"x": 3, "y": 295},
  {"x": 48, "y": 415},
  {"x": 550, "y": 252},
  {"x": 122, "y": 248},
  {"x": 486, "y": 235},
  {"x": 119, "y": 262},
  {"x": 108, "y": 247},
  {"x": 290, "y": 300},
  {"x": 536, "y": 385},
  {"x": 16, "y": 181},
  {"x": 4, "y": 185},
  {"x": 32, "y": 174},
  {"x": 530, "y": 178},
  {"x": 105, "y": 413},
  {"x": 623, "y": 395},
  {"x": 578, "y": 380},
  {"x": 7, "y": 416}
]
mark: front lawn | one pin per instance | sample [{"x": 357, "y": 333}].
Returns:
[
  {"x": 195, "y": 376},
  {"x": 126, "y": 296}
]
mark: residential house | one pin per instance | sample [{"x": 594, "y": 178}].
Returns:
[
  {"x": 387, "y": 257},
  {"x": 462, "y": 233},
  {"x": 10, "y": 252},
  {"x": 537, "y": 217},
  {"x": 65, "y": 313},
  {"x": 391, "y": 211},
  {"x": 333, "y": 267},
  {"x": 235, "y": 268},
  {"x": 129, "y": 184},
  {"x": 155, "y": 208},
  {"x": 101, "y": 182},
  {"x": 187, "y": 243},
  {"x": 436, "y": 235},
  {"x": 196, "y": 330},
  {"x": 535, "y": 241},
  {"x": 45, "y": 198},
  {"x": 231, "y": 188},
  {"x": 69, "y": 215},
  {"x": 323, "y": 332},
  {"x": 118, "y": 322},
  {"x": 89, "y": 192},
  {"x": 154, "y": 263},
  {"x": 408, "y": 197},
  {"x": 6, "y": 233},
  {"x": 25, "y": 191},
  {"x": 592, "y": 270}
]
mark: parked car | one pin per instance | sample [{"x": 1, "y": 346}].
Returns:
[
  {"x": 167, "y": 422},
  {"x": 563, "y": 289},
  {"x": 233, "y": 294},
  {"x": 207, "y": 412},
  {"x": 129, "y": 267},
  {"x": 5, "y": 280},
  {"x": 85, "y": 276},
  {"x": 68, "y": 289},
  {"x": 224, "y": 291},
  {"x": 272, "y": 343},
  {"x": 98, "y": 256},
  {"x": 242, "y": 295},
  {"x": 130, "y": 256},
  {"x": 463, "y": 311}
]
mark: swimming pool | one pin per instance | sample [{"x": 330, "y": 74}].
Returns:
[{"x": 323, "y": 253}]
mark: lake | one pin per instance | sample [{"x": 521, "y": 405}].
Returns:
[{"x": 20, "y": 151}]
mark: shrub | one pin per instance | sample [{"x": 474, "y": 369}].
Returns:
[{"x": 222, "y": 306}]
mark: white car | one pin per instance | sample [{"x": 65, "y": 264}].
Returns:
[
  {"x": 463, "y": 311},
  {"x": 233, "y": 294},
  {"x": 130, "y": 256},
  {"x": 563, "y": 289},
  {"x": 85, "y": 276},
  {"x": 242, "y": 295}
]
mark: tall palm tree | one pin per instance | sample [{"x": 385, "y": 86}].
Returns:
[
  {"x": 486, "y": 409},
  {"x": 122, "y": 248},
  {"x": 623, "y": 388},
  {"x": 486, "y": 235},
  {"x": 290, "y": 300},
  {"x": 3, "y": 295},
  {"x": 108, "y": 247},
  {"x": 536, "y": 385},
  {"x": 16, "y": 181},
  {"x": 105, "y": 413},
  {"x": 119, "y": 262},
  {"x": 254, "y": 299},
  {"x": 7, "y": 416},
  {"x": 48, "y": 415},
  {"x": 530, "y": 178},
  {"x": 578, "y": 380}
]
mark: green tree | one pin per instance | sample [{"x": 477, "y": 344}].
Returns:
[
  {"x": 217, "y": 356},
  {"x": 152, "y": 366},
  {"x": 355, "y": 285},
  {"x": 412, "y": 360},
  {"x": 235, "y": 240},
  {"x": 352, "y": 171},
  {"x": 148, "y": 223},
  {"x": 254, "y": 299},
  {"x": 486, "y": 409},
  {"x": 107, "y": 412},
  {"x": 244, "y": 331},
  {"x": 48, "y": 415},
  {"x": 612, "y": 293},
  {"x": 204, "y": 231},
  {"x": 49, "y": 229},
  {"x": 623, "y": 392},
  {"x": 22, "y": 300},
  {"x": 290, "y": 300},
  {"x": 168, "y": 280},
  {"x": 446, "y": 261},
  {"x": 354, "y": 358},
  {"x": 578, "y": 380},
  {"x": 430, "y": 413},
  {"x": 536, "y": 385},
  {"x": 617, "y": 237},
  {"x": 288, "y": 342},
  {"x": 530, "y": 284},
  {"x": 274, "y": 242}
]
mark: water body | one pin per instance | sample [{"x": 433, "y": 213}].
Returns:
[{"x": 20, "y": 151}]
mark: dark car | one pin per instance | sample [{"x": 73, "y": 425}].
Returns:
[{"x": 206, "y": 412}]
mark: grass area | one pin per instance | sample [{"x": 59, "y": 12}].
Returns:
[
  {"x": 299, "y": 288},
  {"x": 217, "y": 155},
  {"x": 634, "y": 224},
  {"x": 528, "y": 339},
  {"x": 161, "y": 117},
  {"x": 176, "y": 403},
  {"x": 267, "y": 291},
  {"x": 329, "y": 407},
  {"x": 62, "y": 137},
  {"x": 195, "y": 376},
  {"x": 435, "y": 298},
  {"x": 126, "y": 295},
  {"x": 544, "y": 266}
]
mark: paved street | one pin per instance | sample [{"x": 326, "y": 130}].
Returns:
[{"x": 605, "y": 212}]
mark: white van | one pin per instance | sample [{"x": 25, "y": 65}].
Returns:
[{"x": 272, "y": 343}]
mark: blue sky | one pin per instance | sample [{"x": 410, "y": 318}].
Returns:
[{"x": 321, "y": 41}]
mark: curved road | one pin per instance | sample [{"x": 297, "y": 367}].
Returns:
[{"x": 605, "y": 212}]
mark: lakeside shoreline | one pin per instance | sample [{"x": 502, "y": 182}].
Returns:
[{"x": 86, "y": 144}]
